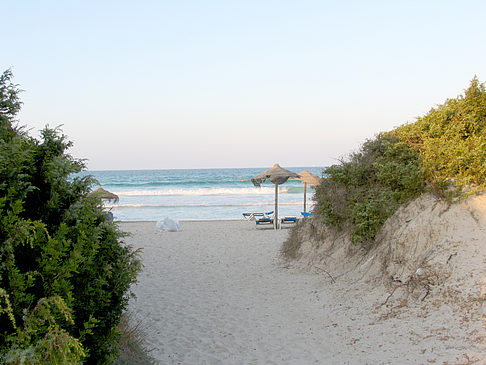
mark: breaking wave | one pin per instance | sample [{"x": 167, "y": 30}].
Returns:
[
  {"x": 269, "y": 203},
  {"x": 209, "y": 191}
]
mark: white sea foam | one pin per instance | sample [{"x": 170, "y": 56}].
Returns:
[
  {"x": 203, "y": 191},
  {"x": 195, "y": 205}
]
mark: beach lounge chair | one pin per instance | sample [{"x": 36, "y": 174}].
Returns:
[
  {"x": 248, "y": 216},
  {"x": 108, "y": 213},
  {"x": 264, "y": 220},
  {"x": 255, "y": 215},
  {"x": 305, "y": 214},
  {"x": 284, "y": 220}
]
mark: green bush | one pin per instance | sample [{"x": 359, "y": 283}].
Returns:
[
  {"x": 41, "y": 340},
  {"x": 444, "y": 149},
  {"x": 363, "y": 192},
  {"x": 451, "y": 141},
  {"x": 55, "y": 243}
]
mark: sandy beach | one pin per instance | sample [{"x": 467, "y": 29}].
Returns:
[{"x": 217, "y": 292}]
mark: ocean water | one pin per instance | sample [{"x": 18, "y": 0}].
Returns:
[{"x": 199, "y": 194}]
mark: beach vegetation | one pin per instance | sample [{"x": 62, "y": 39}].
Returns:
[
  {"x": 290, "y": 247},
  {"x": 132, "y": 343},
  {"x": 360, "y": 193},
  {"x": 443, "y": 152},
  {"x": 65, "y": 272},
  {"x": 451, "y": 142}
]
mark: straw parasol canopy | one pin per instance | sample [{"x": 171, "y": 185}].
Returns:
[
  {"x": 276, "y": 175},
  {"x": 308, "y": 178},
  {"x": 104, "y": 194}
]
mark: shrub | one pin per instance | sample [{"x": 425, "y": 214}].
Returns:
[
  {"x": 443, "y": 149},
  {"x": 451, "y": 141},
  {"x": 55, "y": 243},
  {"x": 364, "y": 191},
  {"x": 41, "y": 340}
]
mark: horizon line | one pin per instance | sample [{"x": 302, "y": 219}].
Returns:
[{"x": 194, "y": 168}]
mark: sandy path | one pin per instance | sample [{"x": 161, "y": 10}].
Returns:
[{"x": 216, "y": 293}]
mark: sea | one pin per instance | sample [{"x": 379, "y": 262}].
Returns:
[{"x": 199, "y": 194}]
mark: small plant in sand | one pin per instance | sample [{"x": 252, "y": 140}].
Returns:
[
  {"x": 290, "y": 247},
  {"x": 133, "y": 342}
]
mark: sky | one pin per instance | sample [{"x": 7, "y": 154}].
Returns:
[{"x": 208, "y": 84}]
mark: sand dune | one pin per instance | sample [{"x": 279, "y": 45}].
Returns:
[{"x": 218, "y": 293}]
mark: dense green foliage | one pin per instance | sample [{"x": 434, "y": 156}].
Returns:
[
  {"x": 443, "y": 151},
  {"x": 363, "y": 192},
  {"x": 451, "y": 140},
  {"x": 64, "y": 272}
]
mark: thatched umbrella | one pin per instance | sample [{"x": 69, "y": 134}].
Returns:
[
  {"x": 276, "y": 175},
  {"x": 104, "y": 194},
  {"x": 308, "y": 178}
]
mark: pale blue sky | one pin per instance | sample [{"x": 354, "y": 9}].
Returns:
[{"x": 194, "y": 84}]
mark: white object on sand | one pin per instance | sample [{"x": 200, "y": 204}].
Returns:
[{"x": 168, "y": 225}]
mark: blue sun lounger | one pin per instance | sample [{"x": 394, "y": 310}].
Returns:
[
  {"x": 305, "y": 214},
  {"x": 255, "y": 216},
  {"x": 264, "y": 220},
  {"x": 288, "y": 220},
  {"x": 247, "y": 216},
  {"x": 267, "y": 218}
]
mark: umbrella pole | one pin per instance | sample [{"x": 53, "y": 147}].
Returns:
[
  {"x": 305, "y": 193},
  {"x": 275, "y": 214}
]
